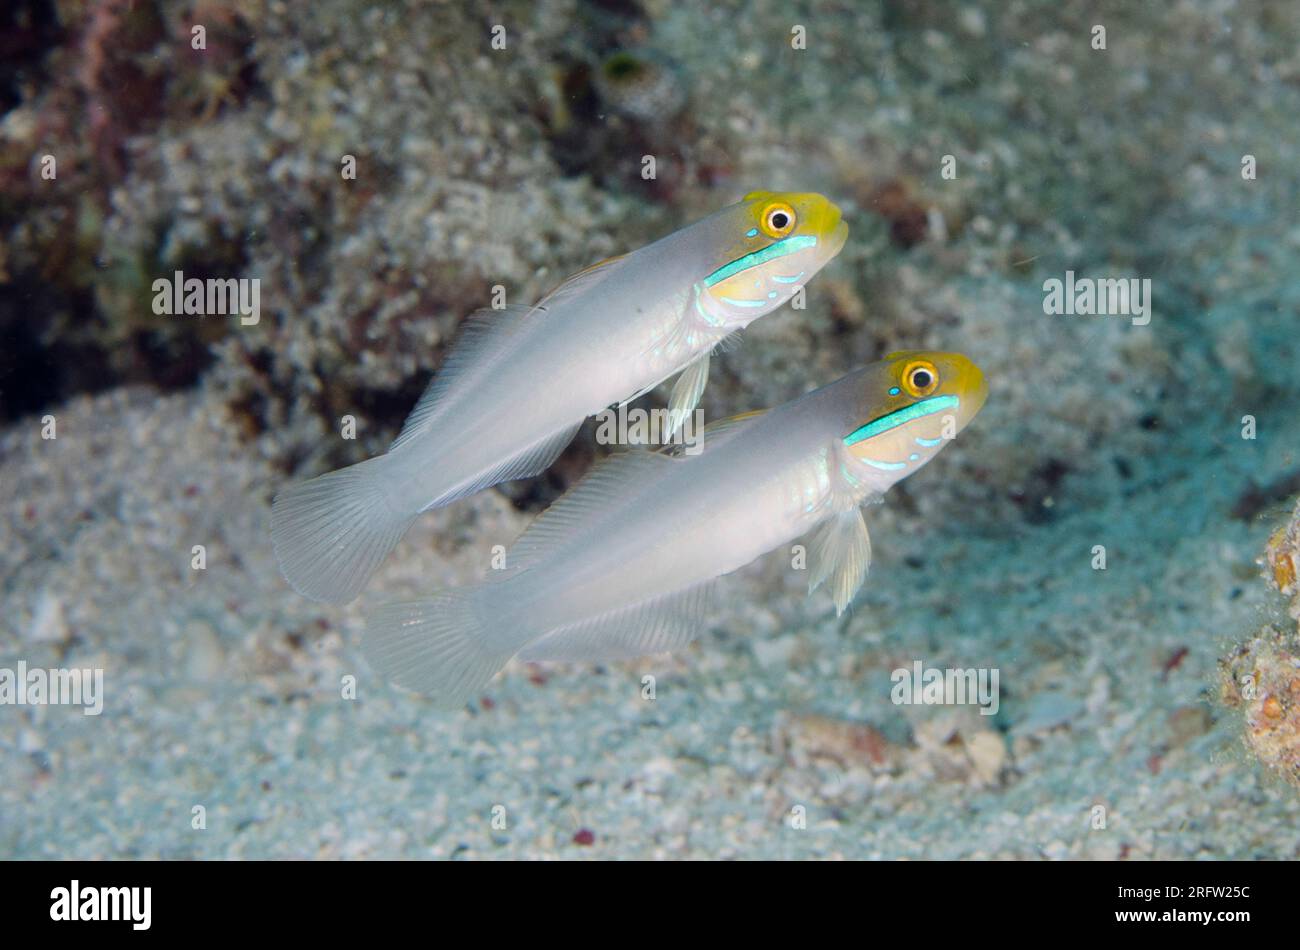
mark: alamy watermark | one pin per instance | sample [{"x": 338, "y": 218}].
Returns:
[
  {"x": 1104, "y": 297},
  {"x": 921, "y": 686},
  {"x": 182, "y": 296},
  {"x": 624, "y": 426},
  {"x": 56, "y": 687},
  {"x": 77, "y": 902}
]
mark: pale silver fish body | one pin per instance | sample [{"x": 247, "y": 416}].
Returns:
[
  {"x": 621, "y": 566},
  {"x": 621, "y": 334},
  {"x": 698, "y": 518},
  {"x": 517, "y": 385}
]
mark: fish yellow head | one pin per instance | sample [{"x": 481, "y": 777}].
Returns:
[
  {"x": 911, "y": 404},
  {"x": 768, "y": 246}
]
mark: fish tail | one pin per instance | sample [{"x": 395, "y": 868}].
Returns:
[
  {"x": 332, "y": 532},
  {"x": 440, "y": 646}
]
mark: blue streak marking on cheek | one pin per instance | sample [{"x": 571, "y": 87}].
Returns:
[
  {"x": 928, "y": 443},
  {"x": 788, "y": 280},
  {"x": 761, "y": 256},
  {"x": 752, "y": 232},
  {"x": 743, "y": 303},
  {"x": 894, "y": 391},
  {"x": 886, "y": 466},
  {"x": 913, "y": 457},
  {"x": 899, "y": 417}
]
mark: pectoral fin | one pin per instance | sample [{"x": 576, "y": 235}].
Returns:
[
  {"x": 840, "y": 555},
  {"x": 686, "y": 393}
]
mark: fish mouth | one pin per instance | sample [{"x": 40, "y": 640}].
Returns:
[
  {"x": 831, "y": 229},
  {"x": 838, "y": 236},
  {"x": 980, "y": 391},
  {"x": 970, "y": 385},
  {"x": 977, "y": 388},
  {"x": 822, "y": 243}
]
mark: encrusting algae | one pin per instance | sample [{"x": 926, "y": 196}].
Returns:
[{"x": 1262, "y": 676}]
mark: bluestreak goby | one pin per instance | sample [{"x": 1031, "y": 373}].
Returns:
[
  {"x": 623, "y": 565},
  {"x": 518, "y": 383}
]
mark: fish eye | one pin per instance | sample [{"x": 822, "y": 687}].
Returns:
[
  {"x": 920, "y": 378},
  {"x": 777, "y": 220}
]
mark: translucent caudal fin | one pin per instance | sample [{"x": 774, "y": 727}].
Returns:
[
  {"x": 439, "y": 646},
  {"x": 331, "y": 533}
]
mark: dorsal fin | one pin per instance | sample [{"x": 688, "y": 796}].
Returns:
[
  {"x": 608, "y": 489},
  {"x": 719, "y": 431},
  {"x": 485, "y": 337},
  {"x": 718, "y": 426},
  {"x": 605, "y": 490},
  {"x": 582, "y": 281}
]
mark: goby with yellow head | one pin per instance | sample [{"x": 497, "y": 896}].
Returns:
[
  {"x": 623, "y": 565},
  {"x": 519, "y": 382},
  {"x": 912, "y": 405}
]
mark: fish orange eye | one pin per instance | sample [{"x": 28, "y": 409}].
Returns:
[
  {"x": 777, "y": 220},
  {"x": 920, "y": 378}
]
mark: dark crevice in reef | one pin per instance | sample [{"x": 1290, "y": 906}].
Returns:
[
  {"x": 34, "y": 373},
  {"x": 905, "y": 212},
  {"x": 1034, "y": 496},
  {"x": 28, "y": 31},
  {"x": 31, "y": 375},
  {"x": 614, "y": 100},
  {"x": 614, "y": 107},
  {"x": 382, "y": 411},
  {"x": 80, "y": 320},
  {"x": 41, "y": 367},
  {"x": 59, "y": 340},
  {"x": 168, "y": 361},
  {"x": 574, "y": 144},
  {"x": 1255, "y": 499}
]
